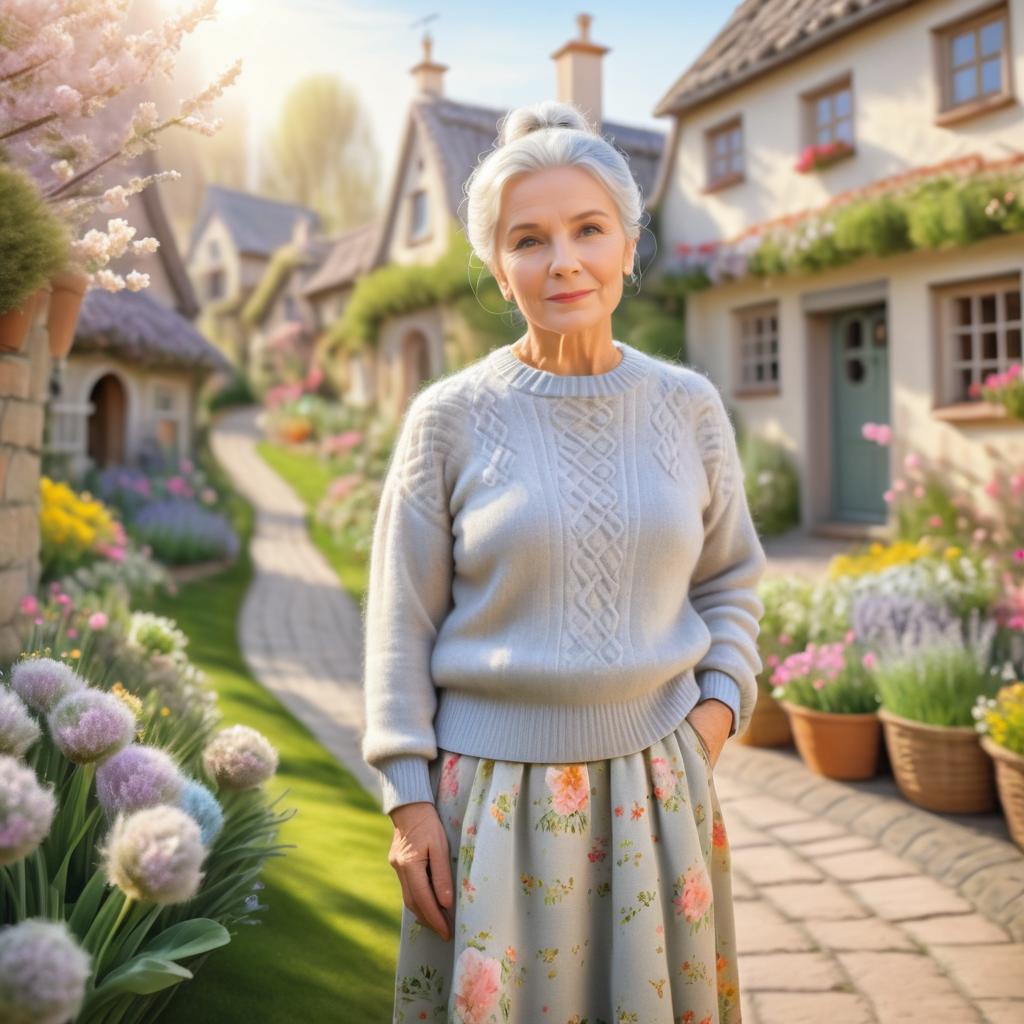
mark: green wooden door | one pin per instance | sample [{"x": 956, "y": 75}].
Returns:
[{"x": 860, "y": 394}]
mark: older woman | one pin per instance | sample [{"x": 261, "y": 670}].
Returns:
[{"x": 561, "y": 633}]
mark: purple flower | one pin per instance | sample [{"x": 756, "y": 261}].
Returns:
[
  {"x": 89, "y": 725},
  {"x": 137, "y": 777},
  {"x": 18, "y": 729},
  {"x": 240, "y": 758},
  {"x": 183, "y": 525},
  {"x": 41, "y": 682},
  {"x": 43, "y": 973},
  {"x": 155, "y": 855},
  {"x": 26, "y": 810}
]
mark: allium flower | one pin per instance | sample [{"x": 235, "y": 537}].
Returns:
[
  {"x": 138, "y": 777},
  {"x": 43, "y": 973},
  {"x": 200, "y": 804},
  {"x": 18, "y": 729},
  {"x": 26, "y": 810},
  {"x": 98, "y": 620},
  {"x": 41, "y": 682},
  {"x": 89, "y": 725},
  {"x": 240, "y": 758},
  {"x": 155, "y": 855}
]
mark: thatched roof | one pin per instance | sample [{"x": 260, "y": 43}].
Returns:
[{"x": 136, "y": 327}]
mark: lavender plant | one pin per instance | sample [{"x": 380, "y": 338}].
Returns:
[{"x": 180, "y": 531}]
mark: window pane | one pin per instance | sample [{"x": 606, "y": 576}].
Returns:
[
  {"x": 989, "y": 345},
  {"x": 1013, "y": 343},
  {"x": 737, "y": 162},
  {"x": 965, "y": 383},
  {"x": 844, "y": 131},
  {"x": 824, "y": 135},
  {"x": 964, "y": 87},
  {"x": 824, "y": 110},
  {"x": 966, "y": 347},
  {"x": 991, "y": 37},
  {"x": 988, "y": 309},
  {"x": 991, "y": 76},
  {"x": 962, "y": 311},
  {"x": 1012, "y": 300},
  {"x": 842, "y": 102},
  {"x": 963, "y": 48},
  {"x": 720, "y": 144}
]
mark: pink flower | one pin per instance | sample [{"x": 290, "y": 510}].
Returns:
[
  {"x": 889, "y": 496},
  {"x": 695, "y": 898},
  {"x": 72, "y": 632},
  {"x": 477, "y": 985},
  {"x": 185, "y": 466},
  {"x": 869, "y": 660},
  {"x": 883, "y": 434},
  {"x": 935, "y": 521},
  {"x": 918, "y": 491},
  {"x": 450, "y": 777},
  {"x": 29, "y": 605},
  {"x": 912, "y": 461},
  {"x": 98, "y": 620},
  {"x": 570, "y": 787},
  {"x": 900, "y": 484},
  {"x": 992, "y": 487},
  {"x": 850, "y": 636},
  {"x": 1018, "y": 555}
]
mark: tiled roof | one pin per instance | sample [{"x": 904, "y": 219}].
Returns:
[
  {"x": 257, "y": 225},
  {"x": 136, "y": 327},
  {"x": 349, "y": 257},
  {"x": 761, "y": 34}
]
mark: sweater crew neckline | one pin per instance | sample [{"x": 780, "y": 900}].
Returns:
[{"x": 628, "y": 373}]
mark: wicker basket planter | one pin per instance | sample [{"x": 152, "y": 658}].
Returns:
[
  {"x": 769, "y": 724},
  {"x": 836, "y": 745},
  {"x": 1009, "y": 768},
  {"x": 939, "y": 767}
]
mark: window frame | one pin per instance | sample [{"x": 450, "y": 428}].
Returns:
[
  {"x": 729, "y": 125},
  {"x": 424, "y": 232},
  {"x": 947, "y": 112},
  {"x": 809, "y": 122},
  {"x": 742, "y": 317}
]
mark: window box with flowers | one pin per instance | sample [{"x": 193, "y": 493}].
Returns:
[{"x": 823, "y": 154}]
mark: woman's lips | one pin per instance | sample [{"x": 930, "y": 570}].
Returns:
[{"x": 571, "y": 298}]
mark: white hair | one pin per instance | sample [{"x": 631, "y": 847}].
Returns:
[{"x": 538, "y": 136}]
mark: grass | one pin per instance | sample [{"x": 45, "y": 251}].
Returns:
[
  {"x": 326, "y": 948},
  {"x": 310, "y": 476}
]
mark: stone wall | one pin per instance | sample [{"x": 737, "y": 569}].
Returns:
[{"x": 24, "y": 391}]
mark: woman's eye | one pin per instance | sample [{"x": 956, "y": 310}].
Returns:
[{"x": 530, "y": 238}]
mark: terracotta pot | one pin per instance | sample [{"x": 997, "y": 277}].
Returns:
[
  {"x": 65, "y": 304},
  {"x": 15, "y": 323},
  {"x": 1010, "y": 784},
  {"x": 939, "y": 767},
  {"x": 769, "y": 724},
  {"x": 838, "y": 746}
]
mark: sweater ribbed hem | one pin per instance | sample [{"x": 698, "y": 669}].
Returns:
[
  {"x": 632, "y": 369},
  {"x": 722, "y": 687},
  {"x": 466, "y": 723}
]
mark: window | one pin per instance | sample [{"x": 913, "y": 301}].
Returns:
[
  {"x": 213, "y": 249},
  {"x": 164, "y": 399},
  {"x": 758, "y": 355},
  {"x": 973, "y": 65},
  {"x": 215, "y": 284},
  {"x": 724, "y": 155},
  {"x": 830, "y": 114},
  {"x": 291, "y": 308},
  {"x": 980, "y": 325},
  {"x": 418, "y": 216}
]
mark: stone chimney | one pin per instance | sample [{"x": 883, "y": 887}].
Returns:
[
  {"x": 429, "y": 75},
  {"x": 578, "y": 72}
]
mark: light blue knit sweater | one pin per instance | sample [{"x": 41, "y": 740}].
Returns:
[{"x": 562, "y": 567}]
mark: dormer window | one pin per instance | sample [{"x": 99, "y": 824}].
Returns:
[{"x": 724, "y": 155}]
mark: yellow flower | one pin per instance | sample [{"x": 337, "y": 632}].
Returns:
[
  {"x": 165, "y": 712},
  {"x": 951, "y": 552}
]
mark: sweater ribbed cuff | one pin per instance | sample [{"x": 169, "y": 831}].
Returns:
[
  {"x": 404, "y": 780},
  {"x": 722, "y": 687}
]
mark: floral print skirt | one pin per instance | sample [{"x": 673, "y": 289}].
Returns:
[{"x": 590, "y": 893}]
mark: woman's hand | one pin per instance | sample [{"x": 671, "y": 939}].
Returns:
[
  {"x": 712, "y": 720},
  {"x": 420, "y": 843}
]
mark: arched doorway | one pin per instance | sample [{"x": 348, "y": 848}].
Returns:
[{"x": 107, "y": 424}]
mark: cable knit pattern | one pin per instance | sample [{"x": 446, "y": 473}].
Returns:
[
  {"x": 588, "y": 445},
  {"x": 562, "y": 566}
]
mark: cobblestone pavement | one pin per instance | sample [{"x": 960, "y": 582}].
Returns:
[{"x": 852, "y": 904}]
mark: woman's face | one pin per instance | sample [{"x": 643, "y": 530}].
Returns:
[{"x": 544, "y": 247}]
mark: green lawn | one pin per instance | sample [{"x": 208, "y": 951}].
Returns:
[
  {"x": 310, "y": 477},
  {"x": 325, "y": 950}
]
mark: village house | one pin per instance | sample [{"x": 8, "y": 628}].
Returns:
[
  {"x": 894, "y": 93},
  {"x": 442, "y": 141},
  {"x": 231, "y": 245}
]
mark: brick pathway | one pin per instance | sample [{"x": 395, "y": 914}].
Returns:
[{"x": 852, "y": 905}]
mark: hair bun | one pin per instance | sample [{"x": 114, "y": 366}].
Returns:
[{"x": 546, "y": 114}]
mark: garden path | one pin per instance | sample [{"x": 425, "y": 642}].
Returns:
[{"x": 852, "y": 905}]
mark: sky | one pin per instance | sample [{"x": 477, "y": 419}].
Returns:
[{"x": 496, "y": 59}]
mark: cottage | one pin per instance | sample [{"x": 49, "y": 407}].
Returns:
[{"x": 795, "y": 107}]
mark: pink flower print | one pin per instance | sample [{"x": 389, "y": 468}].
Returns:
[
  {"x": 476, "y": 986},
  {"x": 664, "y": 778},
  {"x": 450, "y": 777},
  {"x": 693, "y": 894},
  {"x": 618, "y": 811},
  {"x": 570, "y": 787},
  {"x": 718, "y": 836}
]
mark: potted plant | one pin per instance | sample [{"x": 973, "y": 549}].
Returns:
[
  {"x": 1000, "y": 720},
  {"x": 928, "y": 685},
  {"x": 65, "y": 304},
  {"x": 828, "y": 693},
  {"x": 33, "y": 245},
  {"x": 785, "y": 629}
]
